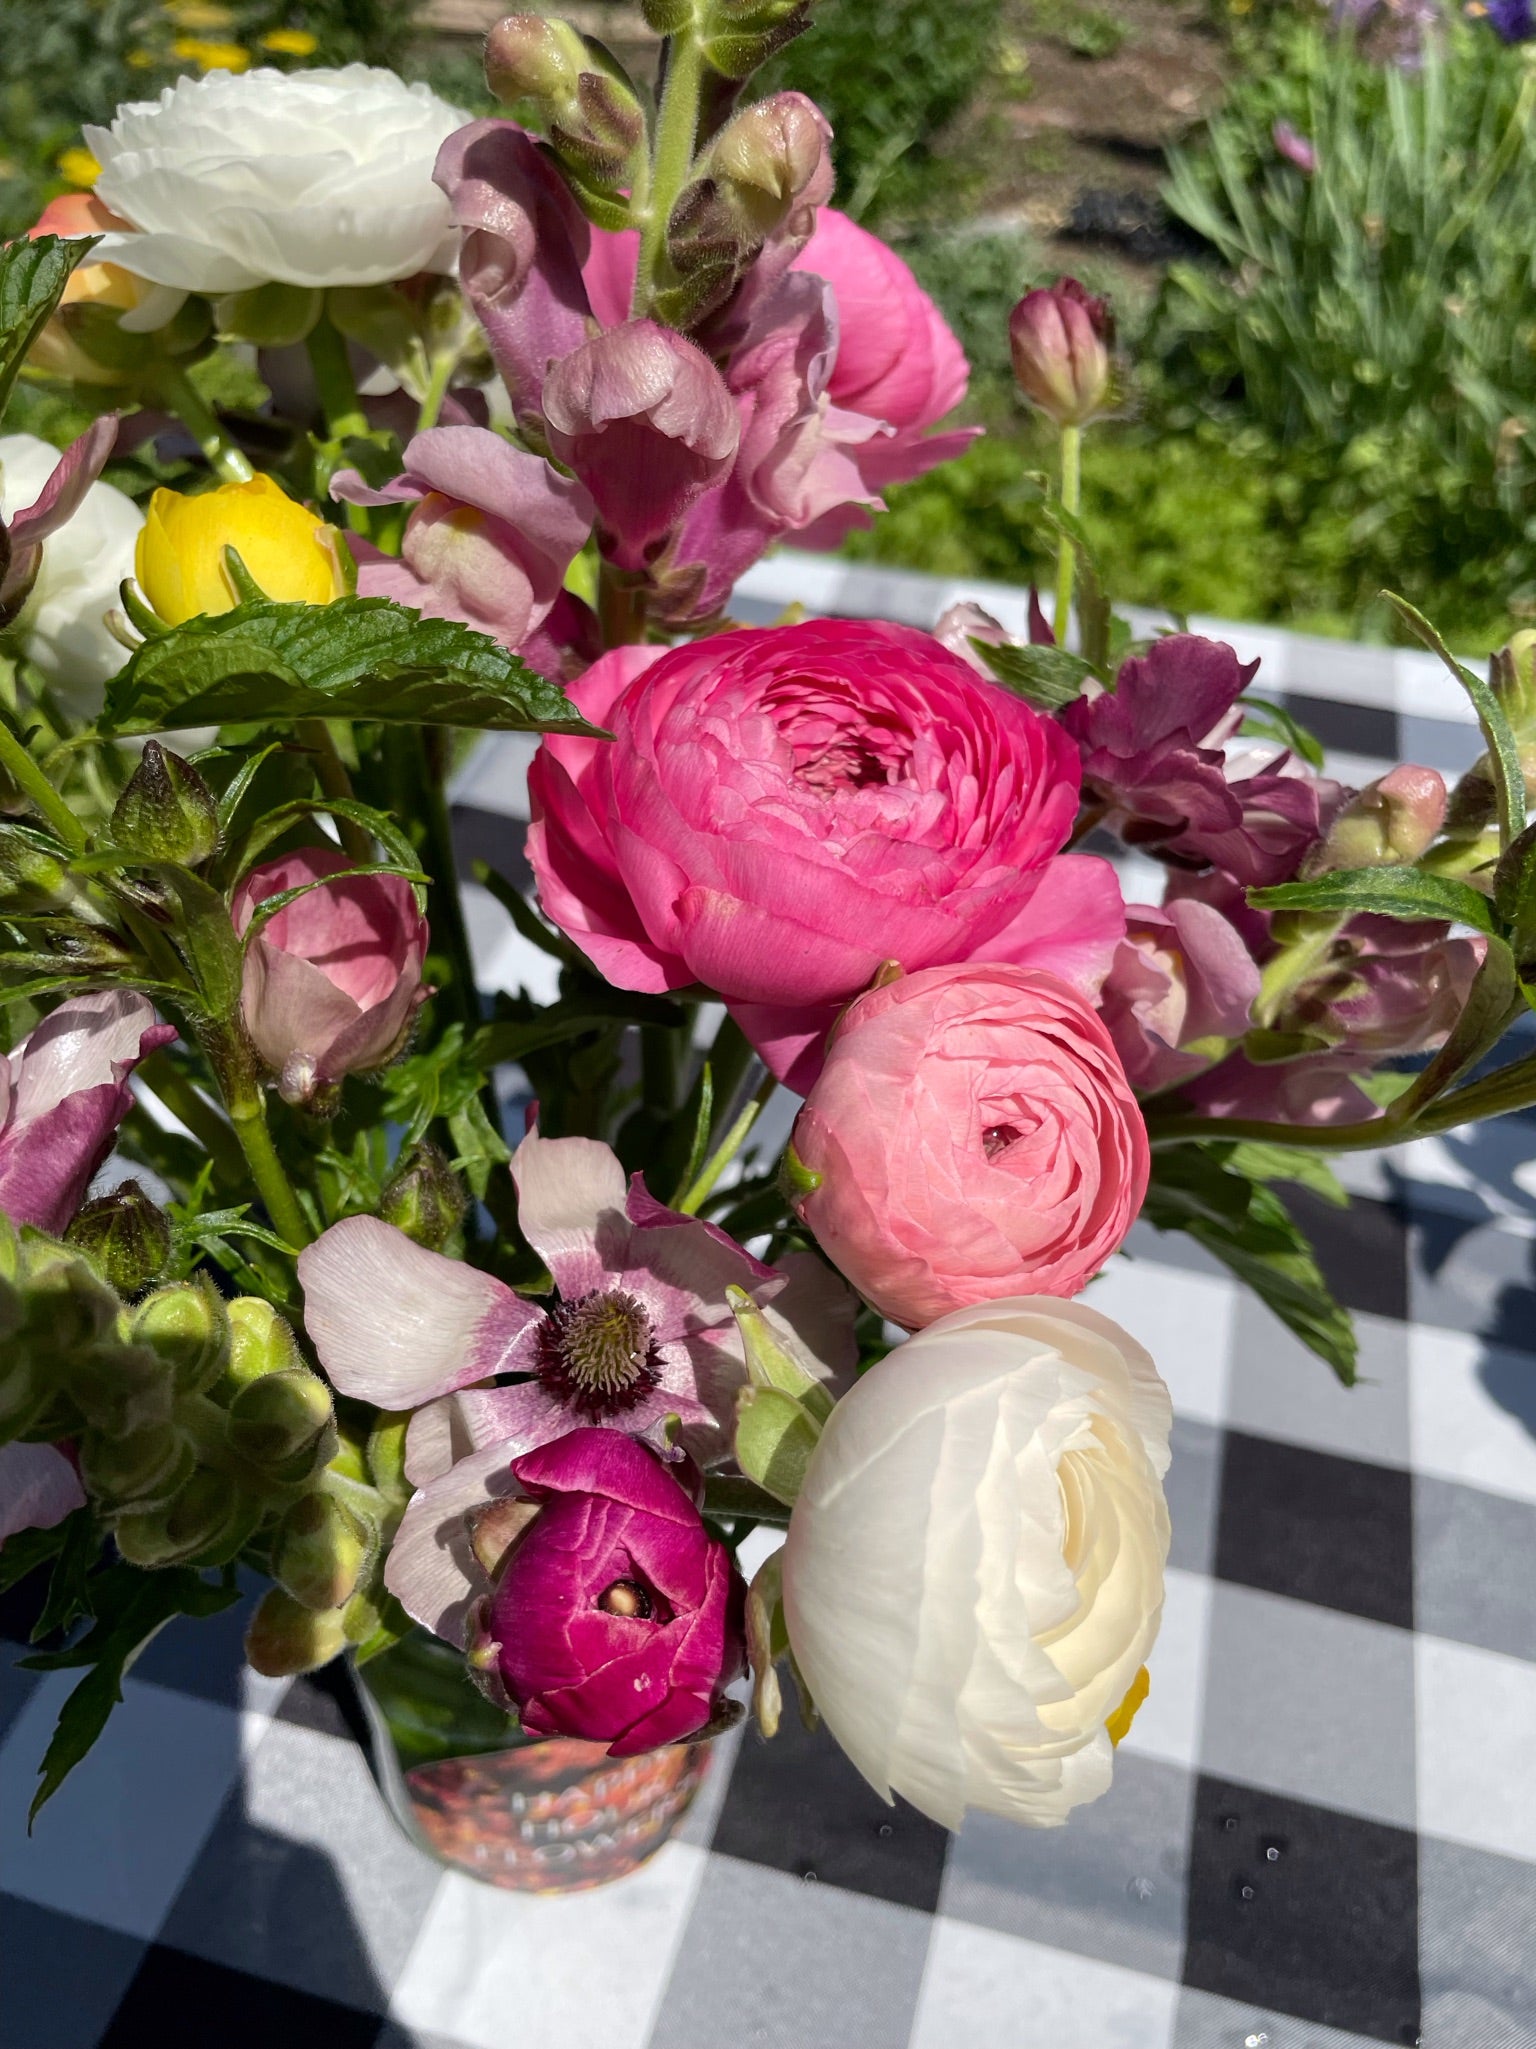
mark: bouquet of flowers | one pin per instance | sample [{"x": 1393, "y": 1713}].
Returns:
[{"x": 517, "y": 401}]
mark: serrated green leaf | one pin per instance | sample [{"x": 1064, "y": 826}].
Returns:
[
  {"x": 365, "y": 658},
  {"x": 1260, "y": 1161},
  {"x": 69, "y": 1593},
  {"x": 32, "y": 279},
  {"x": 1383, "y": 892},
  {"x": 1046, "y": 677}
]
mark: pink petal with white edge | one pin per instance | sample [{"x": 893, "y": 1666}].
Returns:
[
  {"x": 396, "y": 1324},
  {"x": 88, "y": 1041},
  {"x": 431, "y": 1569},
  {"x": 568, "y": 1190},
  {"x": 38, "y": 1488}
]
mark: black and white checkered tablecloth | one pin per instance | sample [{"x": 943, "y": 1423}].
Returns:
[{"x": 1323, "y": 1824}]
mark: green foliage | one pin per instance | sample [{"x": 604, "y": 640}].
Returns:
[
  {"x": 890, "y": 88},
  {"x": 32, "y": 276}
]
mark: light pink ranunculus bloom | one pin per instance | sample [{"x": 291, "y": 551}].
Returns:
[
  {"x": 490, "y": 538},
  {"x": 783, "y": 810},
  {"x": 63, "y": 1093},
  {"x": 1179, "y": 991},
  {"x": 333, "y": 979},
  {"x": 641, "y": 1330},
  {"x": 974, "y": 1136},
  {"x": 645, "y": 420},
  {"x": 38, "y": 1488},
  {"x": 897, "y": 360}
]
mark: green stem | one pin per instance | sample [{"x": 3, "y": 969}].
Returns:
[
  {"x": 727, "y": 1149},
  {"x": 30, "y": 779},
  {"x": 677, "y": 128},
  {"x": 316, "y": 736},
  {"x": 620, "y": 608},
  {"x": 1291, "y": 966},
  {"x": 445, "y": 905},
  {"x": 334, "y": 383},
  {"x": 1071, "y": 502},
  {"x": 248, "y": 1119},
  {"x": 196, "y": 415},
  {"x": 443, "y": 366}
]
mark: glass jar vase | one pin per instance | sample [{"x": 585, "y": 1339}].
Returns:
[{"x": 532, "y": 1814}]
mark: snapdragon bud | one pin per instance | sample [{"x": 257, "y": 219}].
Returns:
[
  {"x": 1388, "y": 824},
  {"x": 741, "y": 35},
  {"x": 1514, "y": 683},
  {"x": 138, "y": 1473},
  {"x": 207, "y": 1524},
  {"x": 766, "y": 156},
  {"x": 259, "y": 1342},
  {"x": 591, "y": 110},
  {"x": 32, "y": 878},
  {"x": 188, "y": 1326},
  {"x": 320, "y": 1552},
  {"x": 125, "y": 1235},
  {"x": 286, "y": 1638},
  {"x": 282, "y": 1422},
  {"x": 1060, "y": 341},
  {"x": 424, "y": 1197}
]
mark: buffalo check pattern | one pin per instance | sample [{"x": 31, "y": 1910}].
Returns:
[{"x": 1322, "y": 1832}]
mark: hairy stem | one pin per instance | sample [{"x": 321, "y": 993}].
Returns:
[
  {"x": 727, "y": 1149},
  {"x": 334, "y": 383},
  {"x": 29, "y": 778},
  {"x": 316, "y": 736},
  {"x": 196, "y": 415},
  {"x": 677, "y": 128},
  {"x": 1071, "y": 502}
]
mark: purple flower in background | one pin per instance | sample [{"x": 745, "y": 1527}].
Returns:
[
  {"x": 63, "y": 1092},
  {"x": 615, "y": 1617},
  {"x": 1294, "y": 147},
  {"x": 1513, "y": 21}
]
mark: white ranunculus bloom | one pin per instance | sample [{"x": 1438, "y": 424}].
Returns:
[
  {"x": 62, "y": 625},
  {"x": 973, "y": 1576},
  {"x": 304, "y": 178}
]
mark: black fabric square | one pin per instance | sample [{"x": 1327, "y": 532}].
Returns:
[
  {"x": 1362, "y": 1250},
  {"x": 60, "y": 1977},
  {"x": 1334, "y": 1531},
  {"x": 1351, "y": 728},
  {"x": 798, "y": 1805},
  {"x": 178, "y": 2001},
  {"x": 1305, "y": 1911}
]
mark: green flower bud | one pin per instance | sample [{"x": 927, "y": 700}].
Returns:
[
  {"x": 125, "y": 1236},
  {"x": 576, "y": 90},
  {"x": 209, "y": 1523},
  {"x": 32, "y": 877},
  {"x": 141, "y": 1472},
  {"x": 273, "y": 316},
  {"x": 188, "y": 1326},
  {"x": 281, "y": 1420},
  {"x": 741, "y": 35},
  {"x": 1514, "y": 682},
  {"x": 424, "y": 1197},
  {"x": 529, "y": 57},
  {"x": 386, "y": 1454},
  {"x": 775, "y": 1437},
  {"x": 666, "y": 17},
  {"x": 166, "y": 811},
  {"x": 286, "y": 1638},
  {"x": 260, "y": 1341},
  {"x": 764, "y": 158},
  {"x": 1389, "y": 823},
  {"x": 320, "y": 1551}
]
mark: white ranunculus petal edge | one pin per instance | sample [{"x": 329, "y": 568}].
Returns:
[
  {"x": 315, "y": 178},
  {"x": 973, "y": 1575}
]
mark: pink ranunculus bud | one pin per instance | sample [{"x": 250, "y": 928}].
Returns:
[
  {"x": 1388, "y": 824},
  {"x": 63, "y": 1093},
  {"x": 490, "y": 538},
  {"x": 972, "y": 1135},
  {"x": 525, "y": 240},
  {"x": 1061, "y": 339},
  {"x": 616, "y": 1617},
  {"x": 646, "y": 422},
  {"x": 967, "y": 622},
  {"x": 333, "y": 979},
  {"x": 784, "y": 809},
  {"x": 1179, "y": 991}
]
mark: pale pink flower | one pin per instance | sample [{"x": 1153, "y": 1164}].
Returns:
[
  {"x": 38, "y": 1488},
  {"x": 1181, "y": 987}
]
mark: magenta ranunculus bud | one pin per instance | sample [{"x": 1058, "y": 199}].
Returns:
[
  {"x": 63, "y": 1093},
  {"x": 617, "y": 1617},
  {"x": 972, "y": 1135},
  {"x": 645, "y": 420},
  {"x": 1386, "y": 825},
  {"x": 333, "y": 980},
  {"x": 1061, "y": 339},
  {"x": 784, "y": 810}
]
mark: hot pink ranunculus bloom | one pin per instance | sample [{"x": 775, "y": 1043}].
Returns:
[
  {"x": 63, "y": 1093},
  {"x": 617, "y": 1617},
  {"x": 333, "y": 979},
  {"x": 783, "y": 810},
  {"x": 975, "y": 1137}
]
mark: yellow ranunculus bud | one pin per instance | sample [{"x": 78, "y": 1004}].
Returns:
[{"x": 290, "y": 552}]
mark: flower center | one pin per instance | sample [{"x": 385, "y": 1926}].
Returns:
[
  {"x": 998, "y": 1137},
  {"x": 598, "y": 1354},
  {"x": 627, "y": 1597}
]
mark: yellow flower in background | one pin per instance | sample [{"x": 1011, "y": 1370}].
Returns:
[
  {"x": 179, "y": 561},
  {"x": 200, "y": 14},
  {"x": 291, "y": 42},
  {"x": 78, "y": 166},
  {"x": 211, "y": 56}
]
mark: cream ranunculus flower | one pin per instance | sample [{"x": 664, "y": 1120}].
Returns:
[
  {"x": 973, "y": 1576},
  {"x": 305, "y": 178},
  {"x": 62, "y": 627}
]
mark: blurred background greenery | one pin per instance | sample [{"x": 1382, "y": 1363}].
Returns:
[{"x": 1329, "y": 371}]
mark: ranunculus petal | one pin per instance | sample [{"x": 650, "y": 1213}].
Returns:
[{"x": 570, "y": 1199}]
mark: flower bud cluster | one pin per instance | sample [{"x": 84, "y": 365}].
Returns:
[{"x": 575, "y": 93}]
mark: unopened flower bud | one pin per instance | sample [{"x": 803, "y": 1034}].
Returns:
[
  {"x": 141, "y": 1472},
  {"x": 188, "y": 1326},
  {"x": 31, "y": 877},
  {"x": 207, "y": 1524},
  {"x": 286, "y": 1638},
  {"x": 766, "y": 156},
  {"x": 1514, "y": 682},
  {"x": 320, "y": 1551},
  {"x": 666, "y": 17},
  {"x": 1061, "y": 340},
  {"x": 741, "y": 35},
  {"x": 180, "y": 557},
  {"x": 260, "y": 1342},
  {"x": 125, "y": 1235},
  {"x": 529, "y": 57},
  {"x": 424, "y": 1197},
  {"x": 1386, "y": 825},
  {"x": 272, "y": 316},
  {"x": 590, "y": 108},
  {"x": 281, "y": 1420}
]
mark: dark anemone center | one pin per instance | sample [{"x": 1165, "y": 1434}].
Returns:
[
  {"x": 598, "y": 1354},
  {"x": 998, "y": 1137}
]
